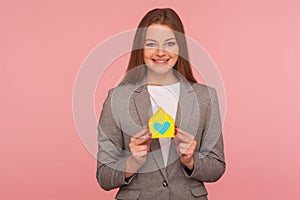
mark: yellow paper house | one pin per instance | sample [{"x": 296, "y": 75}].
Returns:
[{"x": 161, "y": 124}]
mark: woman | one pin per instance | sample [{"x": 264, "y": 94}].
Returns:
[{"x": 159, "y": 75}]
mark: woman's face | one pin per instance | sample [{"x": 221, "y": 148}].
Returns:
[{"x": 160, "y": 49}]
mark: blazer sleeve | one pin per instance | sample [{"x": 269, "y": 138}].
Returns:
[
  {"x": 111, "y": 156},
  {"x": 209, "y": 162}
]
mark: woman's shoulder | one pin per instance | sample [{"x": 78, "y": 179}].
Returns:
[
  {"x": 125, "y": 87},
  {"x": 199, "y": 87},
  {"x": 120, "y": 91},
  {"x": 204, "y": 92}
]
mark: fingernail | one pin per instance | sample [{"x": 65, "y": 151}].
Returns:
[
  {"x": 175, "y": 132},
  {"x": 149, "y": 134}
]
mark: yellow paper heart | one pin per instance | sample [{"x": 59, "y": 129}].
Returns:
[{"x": 161, "y": 124}]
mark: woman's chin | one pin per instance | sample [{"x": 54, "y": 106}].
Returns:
[{"x": 160, "y": 69}]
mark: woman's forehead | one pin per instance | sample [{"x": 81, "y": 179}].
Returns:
[{"x": 159, "y": 32}]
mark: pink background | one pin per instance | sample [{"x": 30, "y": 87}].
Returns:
[{"x": 255, "y": 44}]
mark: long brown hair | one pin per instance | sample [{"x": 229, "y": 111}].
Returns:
[{"x": 163, "y": 16}]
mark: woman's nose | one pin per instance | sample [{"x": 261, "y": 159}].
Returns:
[{"x": 160, "y": 51}]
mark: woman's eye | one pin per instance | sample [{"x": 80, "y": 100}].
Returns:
[
  {"x": 170, "y": 44},
  {"x": 150, "y": 44}
]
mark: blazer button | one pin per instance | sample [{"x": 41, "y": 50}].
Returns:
[{"x": 165, "y": 184}]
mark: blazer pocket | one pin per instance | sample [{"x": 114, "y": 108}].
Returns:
[
  {"x": 198, "y": 190},
  {"x": 128, "y": 194}
]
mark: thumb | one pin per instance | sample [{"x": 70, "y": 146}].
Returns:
[{"x": 148, "y": 143}]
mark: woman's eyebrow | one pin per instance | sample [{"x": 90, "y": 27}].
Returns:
[{"x": 156, "y": 41}]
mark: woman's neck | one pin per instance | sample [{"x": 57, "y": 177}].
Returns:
[{"x": 164, "y": 79}]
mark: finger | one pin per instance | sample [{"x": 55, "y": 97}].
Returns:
[
  {"x": 148, "y": 143},
  {"x": 189, "y": 146},
  {"x": 186, "y": 152},
  {"x": 148, "y": 140},
  {"x": 177, "y": 140},
  {"x": 184, "y": 133},
  {"x": 183, "y": 138},
  {"x": 184, "y": 145},
  {"x": 182, "y": 150},
  {"x": 140, "y": 154},
  {"x": 141, "y": 148},
  {"x": 140, "y": 141},
  {"x": 142, "y": 133}
]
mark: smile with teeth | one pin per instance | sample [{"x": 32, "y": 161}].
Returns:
[{"x": 161, "y": 61}]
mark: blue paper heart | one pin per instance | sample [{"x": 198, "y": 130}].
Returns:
[{"x": 161, "y": 128}]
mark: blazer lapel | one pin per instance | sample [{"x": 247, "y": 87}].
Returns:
[
  {"x": 186, "y": 111},
  {"x": 144, "y": 109},
  {"x": 143, "y": 105}
]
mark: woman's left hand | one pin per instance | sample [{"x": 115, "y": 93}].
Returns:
[{"x": 185, "y": 146}]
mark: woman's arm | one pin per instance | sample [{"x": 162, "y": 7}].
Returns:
[
  {"x": 111, "y": 157},
  {"x": 209, "y": 162},
  {"x": 117, "y": 164}
]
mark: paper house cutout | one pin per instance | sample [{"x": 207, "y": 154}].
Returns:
[{"x": 161, "y": 124}]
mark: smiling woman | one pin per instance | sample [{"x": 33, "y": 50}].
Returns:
[
  {"x": 160, "y": 54},
  {"x": 176, "y": 157},
  {"x": 153, "y": 23}
]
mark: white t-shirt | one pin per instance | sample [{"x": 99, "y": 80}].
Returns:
[{"x": 166, "y": 97}]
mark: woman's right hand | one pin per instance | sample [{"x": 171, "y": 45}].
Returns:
[{"x": 140, "y": 145}]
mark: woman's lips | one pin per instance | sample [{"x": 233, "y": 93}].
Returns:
[{"x": 160, "y": 61}]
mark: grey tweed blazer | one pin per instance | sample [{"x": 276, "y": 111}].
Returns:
[{"x": 126, "y": 110}]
